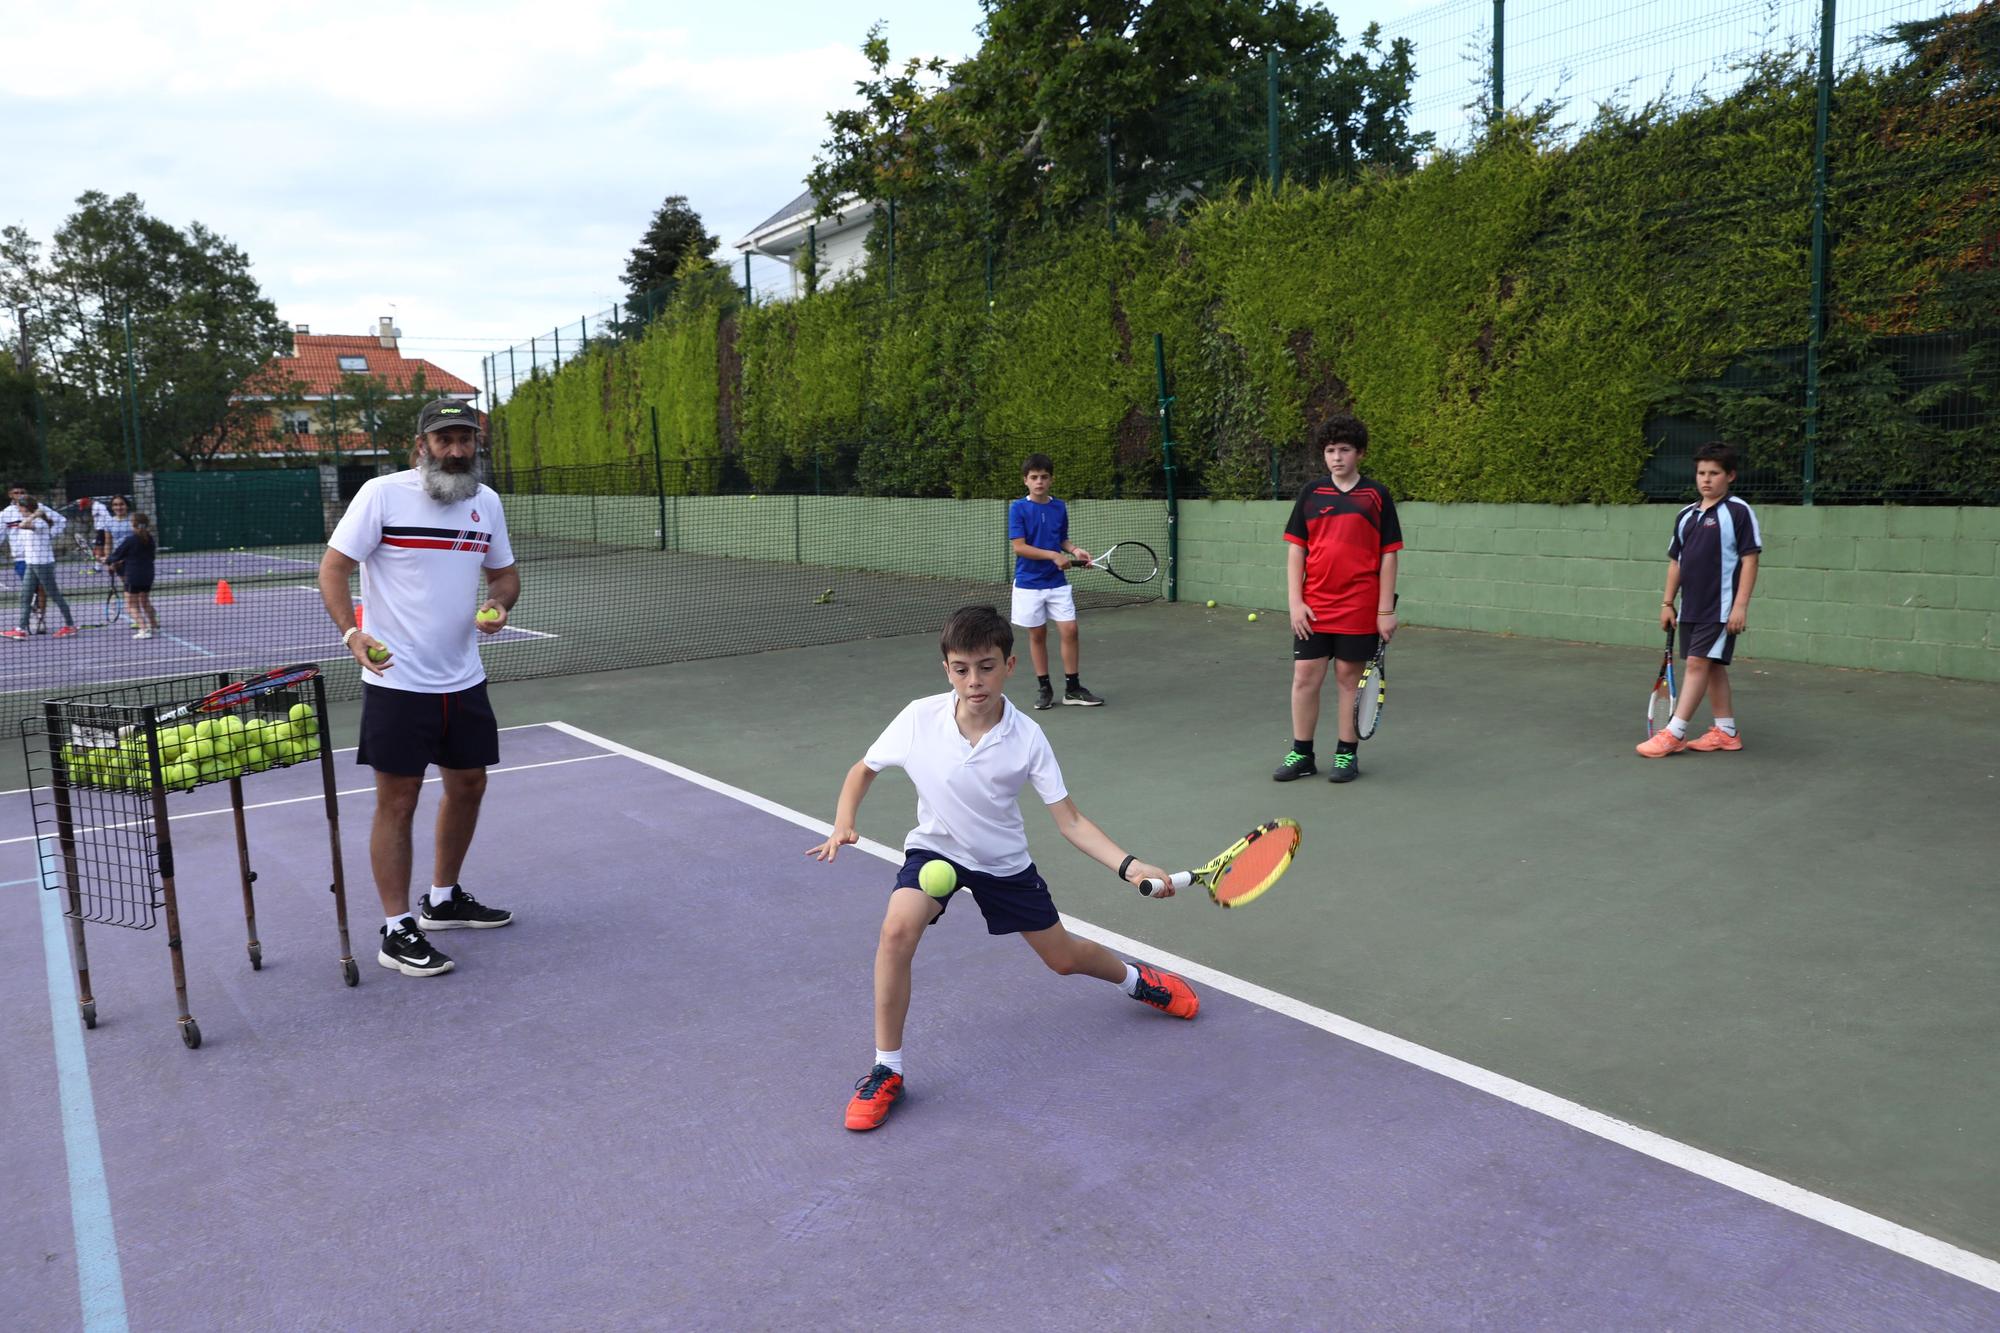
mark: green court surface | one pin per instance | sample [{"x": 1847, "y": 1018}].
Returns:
[{"x": 1784, "y": 956}]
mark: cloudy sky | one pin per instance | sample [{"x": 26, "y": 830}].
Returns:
[{"x": 480, "y": 170}]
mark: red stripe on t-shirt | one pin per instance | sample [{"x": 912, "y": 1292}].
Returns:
[{"x": 435, "y": 544}]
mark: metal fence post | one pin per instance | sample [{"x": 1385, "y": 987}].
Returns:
[
  {"x": 1271, "y": 117},
  {"x": 659, "y": 477},
  {"x": 1816, "y": 314},
  {"x": 1499, "y": 59},
  {"x": 1167, "y": 466}
]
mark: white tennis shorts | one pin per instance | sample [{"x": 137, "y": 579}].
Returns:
[{"x": 1038, "y": 606}]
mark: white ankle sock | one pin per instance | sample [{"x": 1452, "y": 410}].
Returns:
[
  {"x": 398, "y": 922},
  {"x": 893, "y": 1059},
  {"x": 439, "y": 895},
  {"x": 1726, "y": 725},
  {"x": 1679, "y": 728},
  {"x": 1131, "y": 983}
]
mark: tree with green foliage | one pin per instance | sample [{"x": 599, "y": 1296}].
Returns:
[
  {"x": 673, "y": 236},
  {"x": 1068, "y": 101},
  {"x": 200, "y": 325}
]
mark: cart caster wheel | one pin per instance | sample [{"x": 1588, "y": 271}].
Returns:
[
  {"x": 190, "y": 1034},
  {"x": 89, "y": 1014},
  {"x": 256, "y": 958},
  {"x": 349, "y": 972}
]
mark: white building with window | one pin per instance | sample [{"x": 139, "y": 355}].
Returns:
[{"x": 837, "y": 241}]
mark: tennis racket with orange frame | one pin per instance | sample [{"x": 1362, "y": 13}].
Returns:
[{"x": 1249, "y": 866}]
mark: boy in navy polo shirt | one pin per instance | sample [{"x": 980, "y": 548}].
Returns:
[
  {"x": 1038, "y": 527},
  {"x": 969, "y": 753},
  {"x": 1712, "y": 563}
]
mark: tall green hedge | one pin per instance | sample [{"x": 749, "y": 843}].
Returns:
[{"x": 1507, "y": 319}]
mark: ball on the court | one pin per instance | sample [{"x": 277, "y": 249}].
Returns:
[
  {"x": 377, "y": 653},
  {"x": 1253, "y": 617},
  {"x": 487, "y": 615},
  {"x": 301, "y": 713},
  {"x": 1211, "y": 603},
  {"x": 938, "y": 879}
]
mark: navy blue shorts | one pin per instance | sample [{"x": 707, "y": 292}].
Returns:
[
  {"x": 1344, "y": 647},
  {"x": 1011, "y": 904},
  {"x": 404, "y": 732},
  {"x": 1709, "y": 641}
]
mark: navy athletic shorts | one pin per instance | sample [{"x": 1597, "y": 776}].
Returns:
[
  {"x": 1011, "y": 904},
  {"x": 1708, "y": 640},
  {"x": 403, "y": 731}
]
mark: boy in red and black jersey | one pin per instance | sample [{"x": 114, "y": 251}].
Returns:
[{"x": 1340, "y": 578}]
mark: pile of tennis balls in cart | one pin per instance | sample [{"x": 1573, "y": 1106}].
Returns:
[{"x": 213, "y": 749}]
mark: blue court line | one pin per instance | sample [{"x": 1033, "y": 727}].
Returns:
[{"x": 100, "y": 1281}]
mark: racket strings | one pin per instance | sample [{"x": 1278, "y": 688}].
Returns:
[{"x": 1257, "y": 866}]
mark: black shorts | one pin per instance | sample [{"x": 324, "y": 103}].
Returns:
[
  {"x": 1011, "y": 904},
  {"x": 138, "y": 585},
  {"x": 1708, "y": 640},
  {"x": 403, "y": 731},
  {"x": 1345, "y": 647}
]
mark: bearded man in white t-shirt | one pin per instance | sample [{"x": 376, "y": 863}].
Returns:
[{"x": 422, "y": 540}]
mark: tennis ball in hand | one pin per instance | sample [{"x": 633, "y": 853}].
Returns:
[
  {"x": 938, "y": 879},
  {"x": 1253, "y": 617},
  {"x": 487, "y": 615},
  {"x": 376, "y": 653}
]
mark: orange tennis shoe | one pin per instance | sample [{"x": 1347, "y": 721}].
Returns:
[
  {"x": 876, "y": 1091},
  {"x": 1660, "y": 744},
  {"x": 1715, "y": 738},
  {"x": 1166, "y": 993}
]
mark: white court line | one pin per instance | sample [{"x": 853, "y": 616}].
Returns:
[{"x": 1892, "y": 1236}]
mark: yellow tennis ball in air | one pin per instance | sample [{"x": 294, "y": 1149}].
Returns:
[
  {"x": 487, "y": 615},
  {"x": 1253, "y": 617},
  {"x": 938, "y": 879}
]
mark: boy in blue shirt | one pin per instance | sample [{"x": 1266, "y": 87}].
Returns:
[
  {"x": 1038, "y": 527},
  {"x": 1712, "y": 564}
]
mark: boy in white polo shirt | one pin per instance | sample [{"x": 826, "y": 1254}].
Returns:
[
  {"x": 423, "y": 539},
  {"x": 970, "y": 752}
]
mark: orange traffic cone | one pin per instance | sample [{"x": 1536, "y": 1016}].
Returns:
[{"x": 224, "y": 597}]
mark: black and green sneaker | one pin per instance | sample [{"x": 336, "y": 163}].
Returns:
[
  {"x": 1296, "y": 766},
  {"x": 1346, "y": 767}
]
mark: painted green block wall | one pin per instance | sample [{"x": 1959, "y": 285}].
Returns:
[{"x": 1890, "y": 588}]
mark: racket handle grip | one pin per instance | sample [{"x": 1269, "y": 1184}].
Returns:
[{"x": 1180, "y": 880}]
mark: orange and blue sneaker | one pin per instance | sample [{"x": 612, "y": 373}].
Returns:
[
  {"x": 1166, "y": 993},
  {"x": 1715, "y": 738},
  {"x": 878, "y": 1090},
  {"x": 1660, "y": 744}
]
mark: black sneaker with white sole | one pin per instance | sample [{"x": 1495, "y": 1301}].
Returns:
[
  {"x": 1297, "y": 765},
  {"x": 461, "y": 911},
  {"x": 1078, "y": 696},
  {"x": 405, "y": 950},
  {"x": 1045, "y": 697}
]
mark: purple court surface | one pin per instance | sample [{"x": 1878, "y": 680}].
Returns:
[{"x": 624, "y": 1111}]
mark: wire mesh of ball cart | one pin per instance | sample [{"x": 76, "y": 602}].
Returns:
[{"x": 101, "y": 767}]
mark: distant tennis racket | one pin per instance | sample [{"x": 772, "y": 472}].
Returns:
[
  {"x": 1371, "y": 694},
  {"x": 242, "y": 692},
  {"x": 1660, "y": 703},
  {"x": 1128, "y": 562},
  {"x": 1251, "y": 865}
]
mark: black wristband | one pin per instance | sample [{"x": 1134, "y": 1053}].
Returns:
[{"x": 1124, "y": 866}]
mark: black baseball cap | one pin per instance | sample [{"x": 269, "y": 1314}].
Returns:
[{"x": 446, "y": 412}]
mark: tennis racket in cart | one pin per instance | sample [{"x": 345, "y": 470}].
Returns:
[
  {"x": 1128, "y": 562},
  {"x": 1372, "y": 694},
  {"x": 239, "y": 693},
  {"x": 1660, "y": 701},
  {"x": 1249, "y": 866}
]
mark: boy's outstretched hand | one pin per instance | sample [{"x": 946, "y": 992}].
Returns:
[
  {"x": 840, "y": 837},
  {"x": 1140, "y": 870}
]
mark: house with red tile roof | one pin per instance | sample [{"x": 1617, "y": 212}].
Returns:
[{"x": 316, "y": 400}]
